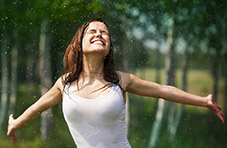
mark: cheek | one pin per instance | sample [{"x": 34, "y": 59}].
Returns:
[
  {"x": 84, "y": 44},
  {"x": 108, "y": 41}
]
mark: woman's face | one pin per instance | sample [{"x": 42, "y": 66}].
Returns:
[{"x": 96, "y": 39}]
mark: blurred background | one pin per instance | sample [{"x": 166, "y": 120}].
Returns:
[{"x": 174, "y": 42}]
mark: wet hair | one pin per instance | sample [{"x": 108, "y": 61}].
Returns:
[{"x": 73, "y": 58}]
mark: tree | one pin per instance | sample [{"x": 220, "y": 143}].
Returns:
[
  {"x": 4, "y": 70},
  {"x": 45, "y": 77},
  {"x": 13, "y": 84}
]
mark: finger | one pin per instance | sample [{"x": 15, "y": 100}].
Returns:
[
  {"x": 222, "y": 114},
  {"x": 11, "y": 116},
  {"x": 221, "y": 117},
  {"x": 9, "y": 132},
  {"x": 210, "y": 96},
  {"x": 14, "y": 139},
  {"x": 219, "y": 107}
]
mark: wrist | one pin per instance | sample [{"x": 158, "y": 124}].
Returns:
[{"x": 209, "y": 102}]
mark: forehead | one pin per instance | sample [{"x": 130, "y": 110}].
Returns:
[{"x": 97, "y": 25}]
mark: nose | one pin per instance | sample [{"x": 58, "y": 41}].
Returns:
[{"x": 98, "y": 34}]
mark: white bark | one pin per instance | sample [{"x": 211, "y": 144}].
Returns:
[
  {"x": 170, "y": 69},
  {"x": 13, "y": 94},
  {"x": 173, "y": 129},
  {"x": 45, "y": 78},
  {"x": 157, "y": 124},
  {"x": 4, "y": 89}
]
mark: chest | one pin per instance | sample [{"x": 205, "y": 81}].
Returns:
[{"x": 103, "y": 109}]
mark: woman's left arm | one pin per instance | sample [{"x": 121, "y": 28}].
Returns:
[{"x": 141, "y": 87}]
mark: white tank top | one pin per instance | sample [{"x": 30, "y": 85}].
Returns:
[{"x": 96, "y": 123}]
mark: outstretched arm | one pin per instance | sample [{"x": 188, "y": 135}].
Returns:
[
  {"x": 135, "y": 85},
  {"x": 52, "y": 97}
]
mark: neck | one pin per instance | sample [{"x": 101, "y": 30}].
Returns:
[{"x": 93, "y": 66}]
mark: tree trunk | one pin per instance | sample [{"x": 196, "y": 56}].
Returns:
[
  {"x": 184, "y": 87},
  {"x": 170, "y": 71},
  {"x": 30, "y": 66},
  {"x": 170, "y": 74},
  {"x": 225, "y": 76},
  {"x": 13, "y": 95},
  {"x": 160, "y": 103},
  {"x": 4, "y": 95},
  {"x": 45, "y": 78},
  {"x": 225, "y": 94},
  {"x": 216, "y": 75},
  {"x": 155, "y": 131},
  {"x": 157, "y": 67}
]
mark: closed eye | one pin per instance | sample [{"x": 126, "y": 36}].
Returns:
[
  {"x": 92, "y": 31},
  {"x": 104, "y": 32}
]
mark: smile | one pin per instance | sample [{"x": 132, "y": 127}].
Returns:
[{"x": 99, "y": 42}]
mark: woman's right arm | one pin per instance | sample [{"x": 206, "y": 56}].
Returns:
[{"x": 51, "y": 98}]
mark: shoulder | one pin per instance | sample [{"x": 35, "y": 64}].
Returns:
[
  {"x": 59, "y": 84},
  {"x": 125, "y": 79}
]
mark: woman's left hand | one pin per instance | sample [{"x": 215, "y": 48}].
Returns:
[
  {"x": 215, "y": 108},
  {"x": 11, "y": 131}
]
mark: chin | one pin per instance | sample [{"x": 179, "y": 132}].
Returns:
[{"x": 102, "y": 51}]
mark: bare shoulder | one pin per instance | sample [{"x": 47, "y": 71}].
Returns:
[
  {"x": 126, "y": 79},
  {"x": 59, "y": 83}
]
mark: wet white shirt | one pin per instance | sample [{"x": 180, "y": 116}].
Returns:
[{"x": 98, "y": 122}]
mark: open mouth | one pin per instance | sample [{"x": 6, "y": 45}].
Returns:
[{"x": 100, "y": 42}]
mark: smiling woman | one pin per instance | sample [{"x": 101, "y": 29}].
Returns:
[
  {"x": 97, "y": 39},
  {"x": 93, "y": 93}
]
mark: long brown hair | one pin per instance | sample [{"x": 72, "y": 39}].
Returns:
[{"x": 73, "y": 58}]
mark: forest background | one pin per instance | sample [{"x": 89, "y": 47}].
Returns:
[{"x": 174, "y": 42}]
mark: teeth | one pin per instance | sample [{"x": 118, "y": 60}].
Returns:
[{"x": 99, "y": 42}]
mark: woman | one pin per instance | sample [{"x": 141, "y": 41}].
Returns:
[{"x": 93, "y": 93}]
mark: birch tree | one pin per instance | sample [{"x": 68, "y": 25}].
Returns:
[
  {"x": 170, "y": 69},
  {"x": 13, "y": 83},
  {"x": 45, "y": 77},
  {"x": 179, "y": 113},
  {"x": 4, "y": 71}
]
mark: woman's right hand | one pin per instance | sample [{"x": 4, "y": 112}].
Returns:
[{"x": 11, "y": 130}]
